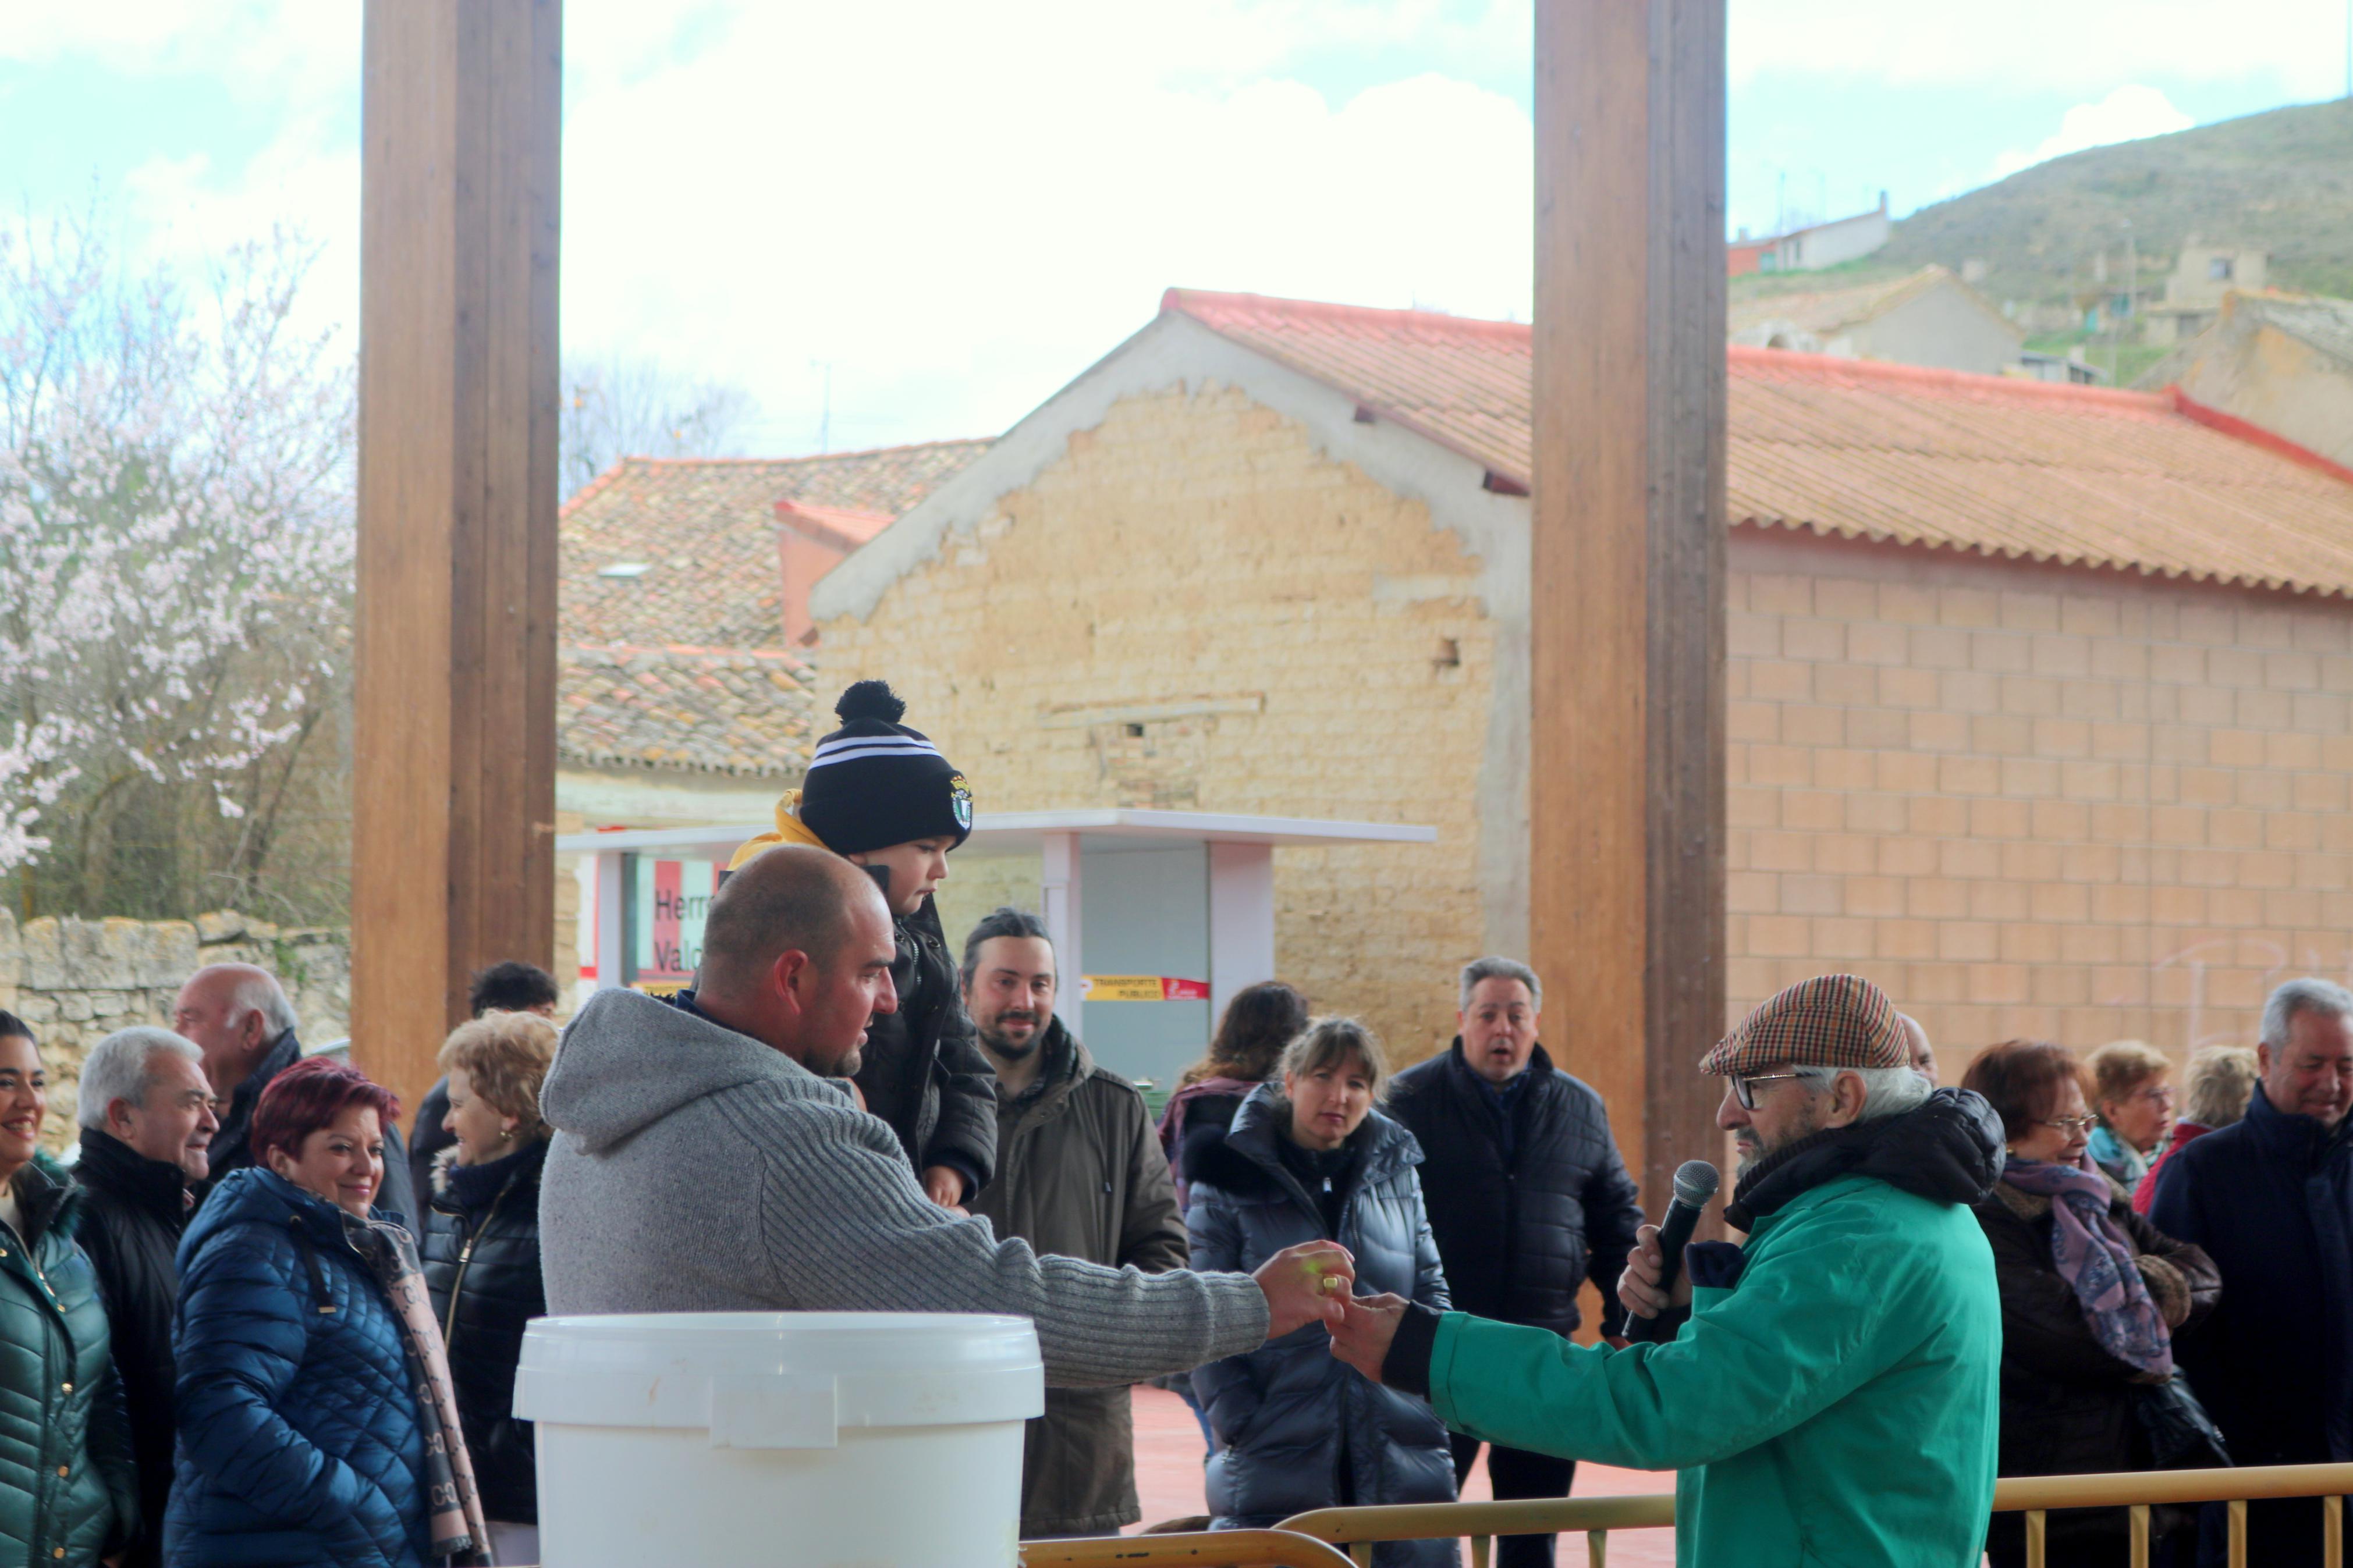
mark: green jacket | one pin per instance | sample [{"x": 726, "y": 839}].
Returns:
[
  {"x": 1839, "y": 1403},
  {"x": 68, "y": 1490}
]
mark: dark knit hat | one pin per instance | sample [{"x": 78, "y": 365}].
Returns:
[{"x": 874, "y": 782}]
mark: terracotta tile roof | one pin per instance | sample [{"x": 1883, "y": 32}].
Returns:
[
  {"x": 701, "y": 535},
  {"x": 698, "y": 709},
  {"x": 1998, "y": 466}
]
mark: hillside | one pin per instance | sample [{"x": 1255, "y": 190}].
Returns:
[{"x": 2281, "y": 180}]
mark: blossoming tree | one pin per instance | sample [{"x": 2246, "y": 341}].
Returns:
[{"x": 175, "y": 568}]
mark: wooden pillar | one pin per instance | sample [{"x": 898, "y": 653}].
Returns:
[
  {"x": 453, "y": 862},
  {"x": 1627, "y": 759}
]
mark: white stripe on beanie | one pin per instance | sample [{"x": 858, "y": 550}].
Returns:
[{"x": 862, "y": 746}]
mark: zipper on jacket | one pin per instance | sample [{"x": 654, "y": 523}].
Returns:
[{"x": 465, "y": 1261}]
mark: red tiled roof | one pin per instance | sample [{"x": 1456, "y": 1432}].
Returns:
[
  {"x": 704, "y": 532},
  {"x": 681, "y": 707},
  {"x": 1858, "y": 449}
]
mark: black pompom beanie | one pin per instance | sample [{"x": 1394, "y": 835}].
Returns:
[{"x": 874, "y": 782}]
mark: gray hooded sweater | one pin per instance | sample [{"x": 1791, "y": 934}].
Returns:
[{"x": 696, "y": 1170}]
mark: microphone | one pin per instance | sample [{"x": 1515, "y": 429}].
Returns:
[{"x": 1695, "y": 1183}]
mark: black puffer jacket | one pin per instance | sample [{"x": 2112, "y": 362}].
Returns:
[
  {"x": 1288, "y": 1416},
  {"x": 1520, "y": 1236},
  {"x": 922, "y": 1073},
  {"x": 481, "y": 1265},
  {"x": 2067, "y": 1406},
  {"x": 133, "y": 1210}
]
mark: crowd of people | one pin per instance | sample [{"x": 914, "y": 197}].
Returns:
[{"x": 251, "y": 1324}]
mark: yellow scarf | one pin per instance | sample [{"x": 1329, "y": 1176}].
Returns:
[{"x": 790, "y": 829}]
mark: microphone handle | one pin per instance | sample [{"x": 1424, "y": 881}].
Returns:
[{"x": 1674, "y": 1234}]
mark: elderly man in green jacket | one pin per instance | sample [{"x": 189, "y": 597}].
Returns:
[{"x": 1832, "y": 1397}]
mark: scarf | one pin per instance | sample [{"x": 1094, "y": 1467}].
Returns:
[
  {"x": 454, "y": 1509},
  {"x": 2096, "y": 1259}
]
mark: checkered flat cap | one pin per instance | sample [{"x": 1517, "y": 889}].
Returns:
[{"x": 1830, "y": 1021}]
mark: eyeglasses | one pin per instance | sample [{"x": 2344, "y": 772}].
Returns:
[
  {"x": 2162, "y": 1093},
  {"x": 2071, "y": 1125},
  {"x": 1744, "y": 1089}
]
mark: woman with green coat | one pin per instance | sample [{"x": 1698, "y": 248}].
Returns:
[{"x": 68, "y": 1490}]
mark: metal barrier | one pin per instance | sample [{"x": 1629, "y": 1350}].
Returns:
[
  {"x": 1198, "y": 1549},
  {"x": 1596, "y": 1516},
  {"x": 2035, "y": 1495},
  {"x": 1358, "y": 1528}
]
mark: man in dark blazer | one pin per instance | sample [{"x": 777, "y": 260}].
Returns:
[{"x": 1526, "y": 1194}]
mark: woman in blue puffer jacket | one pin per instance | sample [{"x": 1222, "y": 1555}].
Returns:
[
  {"x": 1307, "y": 1158},
  {"x": 302, "y": 1434}
]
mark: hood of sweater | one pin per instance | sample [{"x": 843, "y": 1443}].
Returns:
[
  {"x": 1948, "y": 1150},
  {"x": 627, "y": 1060}
]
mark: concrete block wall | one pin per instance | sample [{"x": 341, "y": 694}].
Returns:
[
  {"x": 75, "y": 981},
  {"x": 1194, "y": 609},
  {"x": 2034, "y": 800}
]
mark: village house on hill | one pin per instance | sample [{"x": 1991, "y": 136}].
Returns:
[
  {"x": 2283, "y": 363},
  {"x": 2038, "y": 694},
  {"x": 1926, "y": 318}
]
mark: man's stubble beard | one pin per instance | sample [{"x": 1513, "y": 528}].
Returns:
[
  {"x": 1000, "y": 1046},
  {"x": 1753, "y": 1154}
]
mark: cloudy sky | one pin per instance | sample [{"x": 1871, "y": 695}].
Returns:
[{"x": 958, "y": 208}]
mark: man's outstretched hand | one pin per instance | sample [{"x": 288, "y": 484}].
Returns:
[
  {"x": 1306, "y": 1284},
  {"x": 1364, "y": 1336}
]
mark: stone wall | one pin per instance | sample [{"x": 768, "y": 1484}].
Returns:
[
  {"x": 75, "y": 981},
  {"x": 1193, "y": 609}
]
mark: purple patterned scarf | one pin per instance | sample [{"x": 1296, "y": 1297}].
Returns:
[{"x": 2096, "y": 1259}]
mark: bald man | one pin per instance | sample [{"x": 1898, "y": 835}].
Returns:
[
  {"x": 709, "y": 1158},
  {"x": 239, "y": 1017}
]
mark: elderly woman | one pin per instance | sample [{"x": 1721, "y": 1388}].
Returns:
[
  {"x": 1307, "y": 1158},
  {"x": 317, "y": 1424},
  {"x": 68, "y": 1490},
  {"x": 2215, "y": 1090},
  {"x": 2091, "y": 1296},
  {"x": 481, "y": 1253},
  {"x": 2132, "y": 1098}
]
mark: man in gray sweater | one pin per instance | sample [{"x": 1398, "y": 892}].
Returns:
[{"x": 709, "y": 1157}]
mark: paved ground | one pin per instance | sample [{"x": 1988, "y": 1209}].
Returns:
[{"x": 1168, "y": 1480}]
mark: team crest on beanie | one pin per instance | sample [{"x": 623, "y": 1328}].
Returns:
[{"x": 874, "y": 782}]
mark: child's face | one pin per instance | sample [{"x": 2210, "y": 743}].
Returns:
[{"x": 917, "y": 868}]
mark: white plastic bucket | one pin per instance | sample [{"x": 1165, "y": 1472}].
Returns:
[{"x": 780, "y": 1440}]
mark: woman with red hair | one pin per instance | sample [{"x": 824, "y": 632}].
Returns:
[{"x": 317, "y": 1421}]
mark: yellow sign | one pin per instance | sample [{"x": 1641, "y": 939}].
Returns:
[{"x": 1143, "y": 988}]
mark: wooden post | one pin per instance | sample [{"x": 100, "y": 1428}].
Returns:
[
  {"x": 1626, "y": 790},
  {"x": 453, "y": 862}
]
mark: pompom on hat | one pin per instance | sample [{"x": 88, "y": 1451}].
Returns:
[
  {"x": 874, "y": 782},
  {"x": 1830, "y": 1021}
]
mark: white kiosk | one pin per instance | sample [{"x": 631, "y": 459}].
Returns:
[{"x": 1167, "y": 913}]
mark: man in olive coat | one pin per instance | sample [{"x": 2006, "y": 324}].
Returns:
[{"x": 1080, "y": 1173}]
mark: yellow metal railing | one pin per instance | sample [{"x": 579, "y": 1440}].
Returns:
[
  {"x": 2137, "y": 1492},
  {"x": 2034, "y": 1496},
  {"x": 1198, "y": 1549}
]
